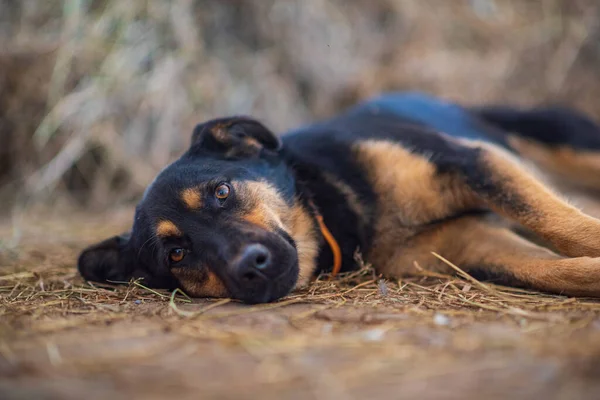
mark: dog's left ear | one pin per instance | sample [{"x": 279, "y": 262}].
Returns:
[
  {"x": 234, "y": 137},
  {"x": 110, "y": 260}
]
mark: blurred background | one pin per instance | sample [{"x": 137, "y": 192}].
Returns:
[{"x": 96, "y": 96}]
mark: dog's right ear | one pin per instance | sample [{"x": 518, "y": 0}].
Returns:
[
  {"x": 110, "y": 260},
  {"x": 235, "y": 137}
]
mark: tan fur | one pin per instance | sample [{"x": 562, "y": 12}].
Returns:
[
  {"x": 579, "y": 168},
  {"x": 166, "y": 228},
  {"x": 248, "y": 146},
  {"x": 475, "y": 242},
  {"x": 200, "y": 282},
  {"x": 220, "y": 131},
  {"x": 586, "y": 202},
  {"x": 301, "y": 227},
  {"x": 258, "y": 217},
  {"x": 266, "y": 209},
  {"x": 409, "y": 193},
  {"x": 407, "y": 185},
  {"x": 569, "y": 230},
  {"x": 263, "y": 205},
  {"x": 192, "y": 198}
]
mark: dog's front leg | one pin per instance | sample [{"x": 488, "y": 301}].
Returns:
[
  {"x": 510, "y": 190},
  {"x": 487, "y": 250}
]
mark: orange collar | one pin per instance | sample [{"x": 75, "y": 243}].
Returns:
[{"x": 333, "y": 244}]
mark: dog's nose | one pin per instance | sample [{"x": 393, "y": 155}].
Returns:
[{"x": 253, "y": 262}]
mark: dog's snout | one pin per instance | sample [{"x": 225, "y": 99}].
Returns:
[{"x": 253, "y": 262}]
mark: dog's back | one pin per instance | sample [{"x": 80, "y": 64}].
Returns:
[{"x": 562, "y": 143}]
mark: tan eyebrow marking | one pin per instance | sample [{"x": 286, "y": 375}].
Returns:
[
  {"x": 192, "y": 198},
  {"x": 264, "y": 205},
  {"x": 167, "y": 228},
  {"x": 257, "y": 217}
]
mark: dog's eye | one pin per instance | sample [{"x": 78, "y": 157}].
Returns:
[
  {"x": 176, "y": 254},
  {"x": 222, "y": 191}
]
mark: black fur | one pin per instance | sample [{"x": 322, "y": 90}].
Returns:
[
  {"x": 301, "y": 166},
  {"x": 552, "y": 126}
]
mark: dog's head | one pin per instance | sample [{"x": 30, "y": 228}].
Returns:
[{"x": 222, "y": 221}]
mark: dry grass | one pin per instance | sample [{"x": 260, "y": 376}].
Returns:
[
  {"x": 427, "y": 336},
  {"x": 97, "y": 96}
]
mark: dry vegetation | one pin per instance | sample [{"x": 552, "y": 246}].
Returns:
[
  {"x": 358, "y": 336},
  {"x": 97, "y": 95}
]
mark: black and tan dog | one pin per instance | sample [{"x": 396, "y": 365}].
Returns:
[{"x": 246, "y": 215}]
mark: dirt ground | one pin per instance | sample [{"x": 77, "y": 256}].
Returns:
[{"x": 355, "y": 337}]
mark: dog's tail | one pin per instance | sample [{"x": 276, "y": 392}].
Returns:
[{"x": 559, "y": 140}]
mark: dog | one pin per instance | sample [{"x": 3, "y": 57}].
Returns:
[{"x": 251, "y": 215}]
